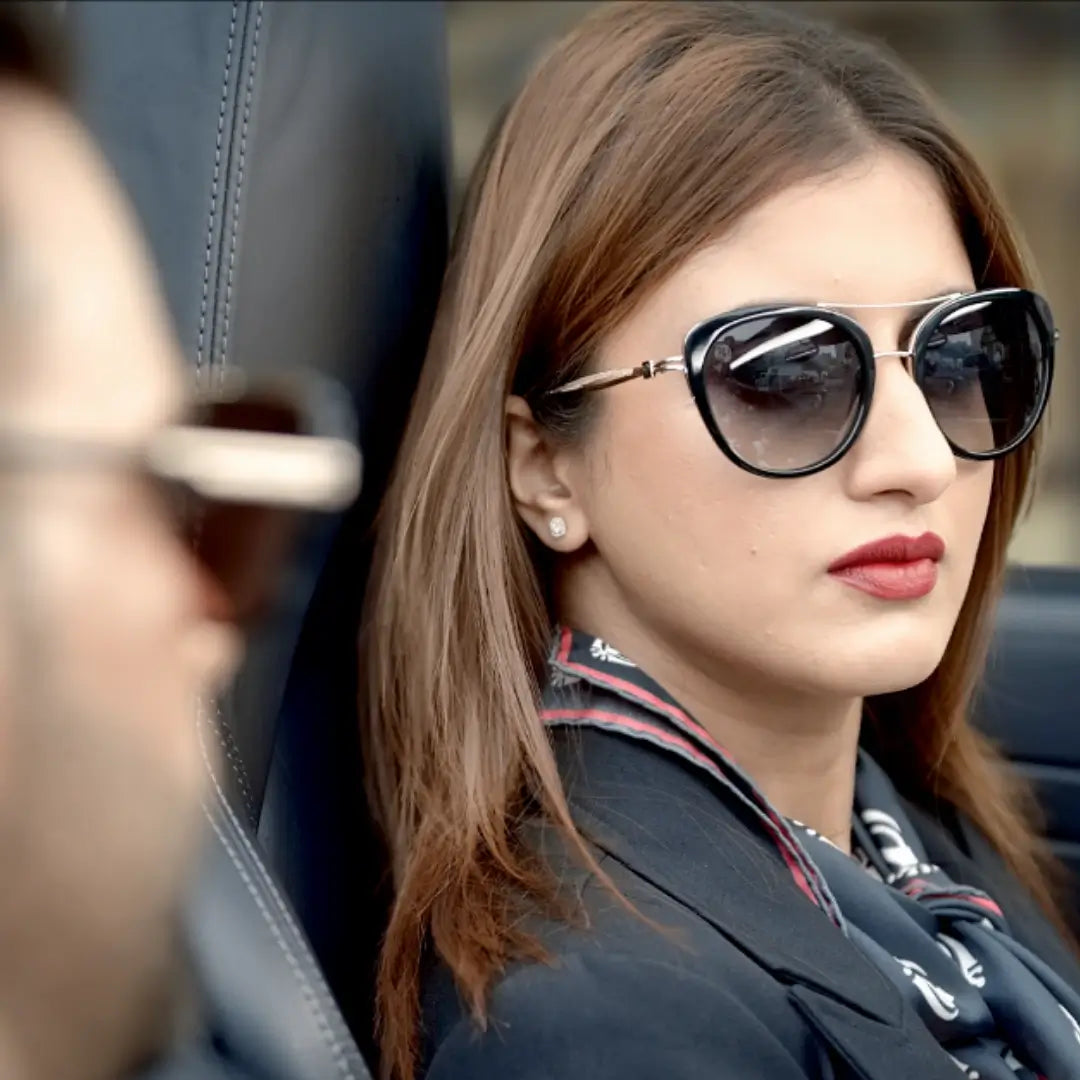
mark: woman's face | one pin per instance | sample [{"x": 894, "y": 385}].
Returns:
[{"x": 679, "y": 549}]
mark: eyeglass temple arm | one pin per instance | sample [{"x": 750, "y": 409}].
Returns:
[{"x": 601, "y": 380}]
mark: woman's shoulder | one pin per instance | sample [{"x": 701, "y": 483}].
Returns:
[
  {"x": 605, "y": 1013},
  {"x": 635, "y": 987}
]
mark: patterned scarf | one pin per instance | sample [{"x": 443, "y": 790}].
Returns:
[{"x": 999, "y": 1011}]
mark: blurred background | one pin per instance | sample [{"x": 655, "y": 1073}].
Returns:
[{"x": 1009, "y": 72}]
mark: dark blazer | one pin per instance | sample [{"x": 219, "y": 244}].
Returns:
[{"x": 742, "y": 978}]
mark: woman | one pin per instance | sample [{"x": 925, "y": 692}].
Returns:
[{"x": 722, "y": 435}]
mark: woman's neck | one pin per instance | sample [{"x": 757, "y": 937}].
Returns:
[{"x": 799, "y": 749}]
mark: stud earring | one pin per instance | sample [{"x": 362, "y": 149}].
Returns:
[{"x": 557, "y": 528}]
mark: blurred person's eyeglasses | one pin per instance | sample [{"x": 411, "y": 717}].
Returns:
[{"x": 232, "y": 474}]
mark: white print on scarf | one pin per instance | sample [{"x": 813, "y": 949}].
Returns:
[
  {"x": 1012, "y": 1061},
  {"x": 941, "y": 1001},
  {"x": 972, "y": 970},
  {"x": 814, "y": 833},
  {"x": 894, "y": 848},
  {"x": 601, "y": 650},
  {"x": 1072, "y": 1020},
  {"x": 967, "y": 1070}
]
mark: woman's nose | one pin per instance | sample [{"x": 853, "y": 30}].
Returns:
[{"x": 901, "y": 449}]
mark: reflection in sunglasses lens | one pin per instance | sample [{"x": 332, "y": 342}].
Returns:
[
  {"x": 983, "y": 370},
  {"x": 784, "y": 390}
]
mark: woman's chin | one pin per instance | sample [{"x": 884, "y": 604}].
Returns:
[{"x": 884, "y": 664}]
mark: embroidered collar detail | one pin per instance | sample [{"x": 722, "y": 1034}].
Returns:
[{"x": 592, "y": 684}]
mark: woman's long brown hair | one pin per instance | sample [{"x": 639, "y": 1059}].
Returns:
[{"x": 642, "y": 136}]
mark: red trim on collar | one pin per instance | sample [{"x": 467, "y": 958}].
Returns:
[
  {"x": 917, "y": 887},
  {"x": 798, "y": 874},
  {"x": 608, "y": 719},
  {"x": 553, "y": 716},
  {"x": 637, "y": 692}
]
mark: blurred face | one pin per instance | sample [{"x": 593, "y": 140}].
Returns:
[
  {"x": 688, "y": 561},
  {"x": 106, "y": 640}
]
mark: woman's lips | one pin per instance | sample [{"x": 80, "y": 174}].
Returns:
[
  {"x": 892, "y": 581},
  {"x": 893, "y": 568}
]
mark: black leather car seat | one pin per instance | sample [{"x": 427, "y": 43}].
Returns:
[
  {"x": 1030, "y": 700},
  {"x": 289, "y": 162}
]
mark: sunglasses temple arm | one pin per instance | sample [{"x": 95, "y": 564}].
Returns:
[{"x": 601, "y": 380}]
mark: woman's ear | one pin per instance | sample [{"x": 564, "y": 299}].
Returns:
[{"x": 540, "y": 481}]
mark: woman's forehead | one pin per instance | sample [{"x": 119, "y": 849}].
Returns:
[{"x": 877, "y": 234}]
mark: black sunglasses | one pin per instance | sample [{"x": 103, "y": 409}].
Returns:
[
  {"x": 234, "y": 475},
  {"x": 785, "y": 390}
]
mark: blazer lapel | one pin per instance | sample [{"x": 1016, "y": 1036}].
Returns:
[{"x": 666, "y": 823}]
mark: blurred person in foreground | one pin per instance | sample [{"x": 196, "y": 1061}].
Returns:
[{"x": 110, "y": 631}]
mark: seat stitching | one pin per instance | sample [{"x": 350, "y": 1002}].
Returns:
[
  {"x": 309, "y": 994},
  {"x": 227, "y": 738},
  {"x": 236, "y": 762},
  {"x": 204, "y": 304},
  {"x": 248, "y": 91},
  {"x": 307, "y": 989}
]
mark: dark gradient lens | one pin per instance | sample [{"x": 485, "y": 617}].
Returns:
[
  {"x": 784, "y": 390},
  {"x": 244, "y": 549},
  {"x": 243, "y": 545},
  {"x": 984, "y": 368}
]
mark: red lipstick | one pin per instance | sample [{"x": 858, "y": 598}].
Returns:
[{"x": 894, "y": 568}]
